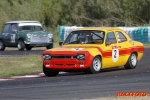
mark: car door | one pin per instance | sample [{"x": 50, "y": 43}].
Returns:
[
  {"x": 123, "y": 47},
  {"x": 6, "y": 34},
  {"x": 111, "y": 51},
  {"x": 13, "y": 34}
]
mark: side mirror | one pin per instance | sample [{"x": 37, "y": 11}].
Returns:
[
  {"x": 108, "y": 43},
  {"x": 60, "y": 43}
]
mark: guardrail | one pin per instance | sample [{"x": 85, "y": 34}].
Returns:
[{"x": 141, "y": 34}]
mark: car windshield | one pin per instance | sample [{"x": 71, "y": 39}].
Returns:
[
  {"x": 85, "y": 37},
  {"x": 30, "y": 28}
]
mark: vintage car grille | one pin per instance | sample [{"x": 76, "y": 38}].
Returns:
[
  {"x": 63, "y": 57},
  {"x": 64, "y": 65},
  {"x": 41, "y": 39}
]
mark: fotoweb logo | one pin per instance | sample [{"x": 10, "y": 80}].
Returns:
[{"x": 131, "y": 94}]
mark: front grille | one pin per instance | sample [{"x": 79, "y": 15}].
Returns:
[
  {"x": 41, "y": 39},
  {"x": 65, "y": 65},
  {"x": 63, "y": 57}
]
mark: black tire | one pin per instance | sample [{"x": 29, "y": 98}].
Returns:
[
  {"x": 95, "y": 66},
  {"x": 28, "y": 47},
  {"x": 2, "y": 46},
  {"x": 132, "y": 61},
  {"x": 49, "y": 46},
  {"x": 21, "y": 45},
  {"x": 49, "y": 72}
]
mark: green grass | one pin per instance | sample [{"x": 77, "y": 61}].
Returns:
[{"x": 15, "y": 65}]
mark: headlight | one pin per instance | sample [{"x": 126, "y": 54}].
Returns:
[
  {"x": 29, "y": 35},
  {"x": 50, "y": 35},
  {"x": 80, "y": 57},
  {"x": 47, "y": 57}
]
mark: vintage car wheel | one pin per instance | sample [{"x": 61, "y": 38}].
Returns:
[
  {"x": 95, "y": 66},
  {"x": 2, "y": 46},
  {"x": 49, "y": 46},
  {"x": 21, "y": 45},
  {"x": 49, "y": 72},
  {"x": 132, "y": 61},
  {"x": 28, "y": 47}
]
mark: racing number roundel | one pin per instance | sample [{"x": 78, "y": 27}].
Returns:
[{"x": 115, "y": 54}]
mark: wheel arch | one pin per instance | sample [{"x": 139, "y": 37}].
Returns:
[
  {"x": 21, "y": 38},
  {"x": 135, "y": 53},
  {"x": 2, "y": 40},
  {"x": 99, "y": 56}
]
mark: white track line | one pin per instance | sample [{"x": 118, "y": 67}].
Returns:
[{"x": 26, "y": 76}]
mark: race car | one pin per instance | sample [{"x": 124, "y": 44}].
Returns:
[{"x": 91, "y": 50}]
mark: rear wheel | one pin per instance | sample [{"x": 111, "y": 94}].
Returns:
[
  {"x": 49, "y": 72},
  {"x": 95, "y": 66},
  {"x": 2, "y": 46},
  {"x": 132, "y": 61},
  {"x": 21, "y": 45}
]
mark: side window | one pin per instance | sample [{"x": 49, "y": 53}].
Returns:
[
  {"x": 6, "y": 28},
  {"x": 27, "y": 28},
  {"x": 13, "y": 27},
  {"x": 73, "y": 38},
  {"x": 38, "y": 28},
  {"x": 111, "y": 37},
  {"x": 120, "y": 37}
]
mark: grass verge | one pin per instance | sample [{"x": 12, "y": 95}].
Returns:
[{"x": 17, "y": 65}]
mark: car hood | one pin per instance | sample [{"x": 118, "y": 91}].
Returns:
[
  {"x": 72, "y": 49},
  {"x": 36, "y": 33},
  {"x": 39, "y": 33}
]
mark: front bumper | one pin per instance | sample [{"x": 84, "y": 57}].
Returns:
[
  {"x": 38, "y": 43},
  {"x": 64, "y": 65}
]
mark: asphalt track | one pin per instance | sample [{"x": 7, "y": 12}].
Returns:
[{"x": 74, "y": 86}]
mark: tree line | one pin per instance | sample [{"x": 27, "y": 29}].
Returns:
[{"x": 52, "y": 13}]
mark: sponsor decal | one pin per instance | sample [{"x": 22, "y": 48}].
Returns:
[{"x": 131, "y": 94}]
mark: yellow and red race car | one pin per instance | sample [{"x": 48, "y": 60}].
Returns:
[{"x": 93, "y": 49}]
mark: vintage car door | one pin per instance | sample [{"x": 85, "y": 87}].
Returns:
[
  {"x": 6, "y": 34},
  {"x": 13, "y": 35},
  {"x": 111, "y": 57},
  {"x": 124, "y": 47}
]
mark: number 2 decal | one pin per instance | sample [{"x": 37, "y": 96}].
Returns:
[{"x": 115, "y": 54}]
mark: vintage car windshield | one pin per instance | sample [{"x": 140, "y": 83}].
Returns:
[
  {"x": 30, "y": 28},
  {"x": 85, "y": 37}
]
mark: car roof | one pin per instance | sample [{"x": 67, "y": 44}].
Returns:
[
  {"x": 99, "y": 28},
  {"x": 23, "y": 22}
]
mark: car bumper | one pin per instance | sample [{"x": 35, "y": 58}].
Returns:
[
  {"x": 38, "y": 44},
  {"x": 64, "y": 65}
]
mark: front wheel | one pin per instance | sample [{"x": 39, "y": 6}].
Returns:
[
  {"x": 95, "y": 66},
  {"x": 49, "y": 72},
  {"x": 132, "y": 61},
  {"x": 21, "y": 45},
  {"x": 2, "y": 46}
]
